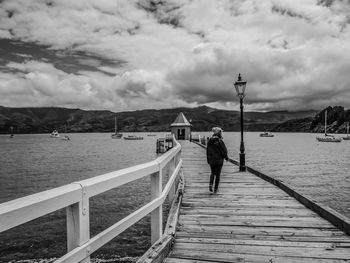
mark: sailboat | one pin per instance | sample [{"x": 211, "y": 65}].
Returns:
[
  {"x": 347, "y": 132},
  {"x": 11, "y": 135},
  {"x": 65, "y": 137},
  {"x": 327, "y": 138},
  {"x": 116, "y": 134}
]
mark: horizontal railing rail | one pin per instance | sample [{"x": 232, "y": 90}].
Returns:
[{"x": 75, "y": 198}]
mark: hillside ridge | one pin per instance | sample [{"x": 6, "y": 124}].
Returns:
[
  {"x": 337, "y": 118},
  {"x": 46, "y": 119}
]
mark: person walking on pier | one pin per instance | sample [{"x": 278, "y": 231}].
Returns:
[{"x": 216, "y": 153}]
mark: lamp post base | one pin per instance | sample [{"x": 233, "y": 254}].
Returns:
[{"x": 242, "y": 167}]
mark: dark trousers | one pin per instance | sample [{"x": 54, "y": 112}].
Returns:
[{"x": 215, "y": 172}]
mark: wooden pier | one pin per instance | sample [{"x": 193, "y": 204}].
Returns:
[
  {"x": 253, "y": 217},
  {"x": 248, "y": 220}
]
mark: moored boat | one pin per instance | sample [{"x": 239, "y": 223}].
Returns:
[
  {"x": 327, "y": 137},
  {"x": 116, "y": 134},
  {"x": 66, "y": 138},
  {"x": 54, "y": 134},
  {"x": 11, "y": 135},
  {"x": 266, "y": 134},
  {"x": 133, "y": 137},
  {"x": 330, "y": 138}
]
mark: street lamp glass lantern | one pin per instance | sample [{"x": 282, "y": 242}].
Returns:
[{"x": 240, "y": 87}]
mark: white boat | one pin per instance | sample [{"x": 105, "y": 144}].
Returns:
[
  {"x": 54, "y": 134},
  {"x": 133, "y": 137},
  {"x": 116, "y": 134},
  {"x": 330, "y": 138},
  {"x": 327, "y": 137},
  {"x": 266, "y": 134},
  {"x": 347, "y": 132}
]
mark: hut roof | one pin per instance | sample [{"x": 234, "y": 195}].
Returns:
[{"x": 180, "y": 121}]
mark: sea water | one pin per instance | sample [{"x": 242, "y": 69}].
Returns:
[
  {"x": 34, "y": 163},
  {"x": 319, "y": 170}
]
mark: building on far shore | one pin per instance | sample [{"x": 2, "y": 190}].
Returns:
[{"x": 181, "y": 128}]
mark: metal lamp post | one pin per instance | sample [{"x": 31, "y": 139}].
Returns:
[
  {"x": 240, "y": 89},
  {"x": 190, "y": 130}
]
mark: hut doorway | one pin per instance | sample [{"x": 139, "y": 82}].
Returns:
[{"x": 181, "y": 134}]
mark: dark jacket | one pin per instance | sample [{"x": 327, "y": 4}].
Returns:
[{"x": 216, "y": 150}]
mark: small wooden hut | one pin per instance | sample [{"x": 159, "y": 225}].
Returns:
[{"x": 181, "y": 127}]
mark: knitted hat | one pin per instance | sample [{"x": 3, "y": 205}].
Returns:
[{"x": 216, "y": 130}]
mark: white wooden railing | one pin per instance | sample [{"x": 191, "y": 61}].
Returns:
[{"x": 75, "y": 198}]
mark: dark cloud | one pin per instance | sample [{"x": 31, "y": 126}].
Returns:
[
  {"x": 288, "y": 12},
  {"x": 69, "y": 61},
  {"x": 326, "y": 3}
]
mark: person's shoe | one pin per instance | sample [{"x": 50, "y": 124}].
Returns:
[
  {"x": 216, "y": 190},
  {"x": 210, "y": 188}
]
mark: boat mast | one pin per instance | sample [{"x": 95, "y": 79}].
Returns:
[
  {"x": 325, "y": 122},
  {"x": 115, "y": 124},
  {"x": 347, "y": 128}
]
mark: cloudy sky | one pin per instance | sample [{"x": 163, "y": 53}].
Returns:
[{"x": 135, "y": 54}]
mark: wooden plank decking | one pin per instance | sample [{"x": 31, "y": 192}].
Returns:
[{"x": 248, "y": 220}]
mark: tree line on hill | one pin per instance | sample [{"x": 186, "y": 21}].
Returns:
[{"x": 46, "y": 119}]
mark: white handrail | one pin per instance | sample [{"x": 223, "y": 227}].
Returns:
[
  {"x": 22, "y": 210},
  {"x": 75, "y": 197},
  {"x": 105, "y": 236}
]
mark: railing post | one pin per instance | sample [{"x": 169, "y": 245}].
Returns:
[
  {"x": 157, "y": 214},
  {"x": 78, "y": 224},
  {"x": 177, "y": 160},
  {"x": 172, "y": 167}
]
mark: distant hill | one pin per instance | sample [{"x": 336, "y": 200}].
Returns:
[
  {"x": 336, "y": 122},
  {"x": 46, "y": 119}
]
